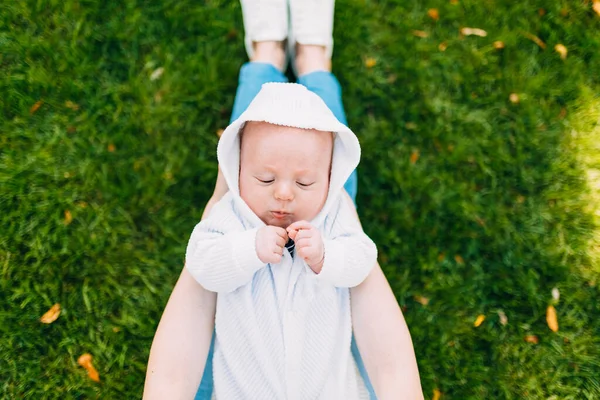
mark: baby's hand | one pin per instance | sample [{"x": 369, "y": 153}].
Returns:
[
  {"x": 270, "y": 241},
  {"x": 308, "y": 244}
]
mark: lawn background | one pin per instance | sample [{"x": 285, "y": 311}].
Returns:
[{"x": 479, "y": 204}]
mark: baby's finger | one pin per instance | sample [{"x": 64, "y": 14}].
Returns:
[
  {"x": 292, "y": 233},
  {"x": 282, "y": 233},
  {"x": 302, "y": 243},
  {"x": 303, "y": 234},
  {"x": 280, "y": 242},
  {"x": 298, "y": 225},
  {"x": 278, "y": 250}
]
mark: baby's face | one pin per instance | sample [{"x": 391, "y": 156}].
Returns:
[{"x": 284, "y": 172}]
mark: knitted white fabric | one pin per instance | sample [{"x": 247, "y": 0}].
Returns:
[{"x": 282, "y": 331}]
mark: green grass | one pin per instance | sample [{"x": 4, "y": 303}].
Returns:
[{"x": 510, "y": 188}]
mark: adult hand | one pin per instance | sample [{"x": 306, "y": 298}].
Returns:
[
  {"x": 270, "y": 241},
  {"x": 308, "y": 244}
]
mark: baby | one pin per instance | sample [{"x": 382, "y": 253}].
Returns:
[{"x": 281, "y": 249}]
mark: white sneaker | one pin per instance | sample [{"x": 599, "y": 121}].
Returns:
[
  {"x": 264, "y": 20},
  {"x": 312, "y": 23}
]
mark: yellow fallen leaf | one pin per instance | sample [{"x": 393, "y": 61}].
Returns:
[
  {"x": 531, "y": 339},
  {"x": 71, "y": 105},
  {"x": 421, "y": 34},
  {"x": 479, "y": 320},
  {"x": 473, "y": 31},
  {"x": 421, "y": 299},
  {"x": 36, "y": 106},
  {"x": 454, "y": 2},
  {"x": 370, "y": 62},
  {"x": 443, "y": 46},
  {"x": 433, "y": 14},
  {"x": 414, "y": 156},
  {"x": 536, "y": 40},
  {"x": 541, "y": 12},
  {"x": 437, "y": 395},
  {"x": 459, "y": 259},
  {"x": 111, "y": 147},
  {"x": 85, "y": 360},
  {"x": 498, "y": 45},
  {"x": 68, "y": 217},
  {"x": 514, "y": 98},
  {"x": 51, "y": 315},
  {"x": 551, "y": 319},
  {"x": 596, "y": 6},
  {"x": 562, "y": 50}
]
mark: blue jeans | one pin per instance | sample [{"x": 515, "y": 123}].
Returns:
[{"x": 325, "y": 84}]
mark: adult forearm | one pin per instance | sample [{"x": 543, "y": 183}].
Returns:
[
  {"x": 182, "y": 340},
  {"x": 383, "y": 340},
  {"x": 181, "y": 343}
]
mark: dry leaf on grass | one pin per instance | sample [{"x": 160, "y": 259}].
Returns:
[
  {"x": 421, "y": 34},
  {"x": 551, "y": 319},
  {"x": 459, "y": 259},
  {"x": 514, "y": 98},
  {"x": 36, "y": 106},
  {"x": 479, "y": 320},
  {"x": 473, "y": 32},
  {"x": 562, "y": 50},
  {"x": 437, "y": 395},
  {"x": 596, "y": 6},
  {"x": 370, "y": 62},
  {"x": 532, "y": 339},
  {"x": 443, "y": 46},
  {"x": 68, "y": 217},
  {"x": 503, "y": 317},
  {"x": 111, "y": 147},
  {"x": 536, "y": 40},
  {"x": 498, "y": 45},
  {"x": 85, "y": 360},
  {"x": 71, "y": 105},
  {"x": 51, "y": 315},
  {"x": 157, "y": 73},
  {"x": 414, "y": 156},
  {"x": 421, "y": 299},
  {"x": 433, "y": 14}
]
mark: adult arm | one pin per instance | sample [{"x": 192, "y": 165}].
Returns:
[
  {"x": 182, "y": 340},
  {"x": 383, "y": 339}
]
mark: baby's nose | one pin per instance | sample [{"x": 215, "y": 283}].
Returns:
[{"x": 284, "y": 192}]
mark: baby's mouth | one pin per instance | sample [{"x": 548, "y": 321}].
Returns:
[{"x": 280, "y": 214}]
